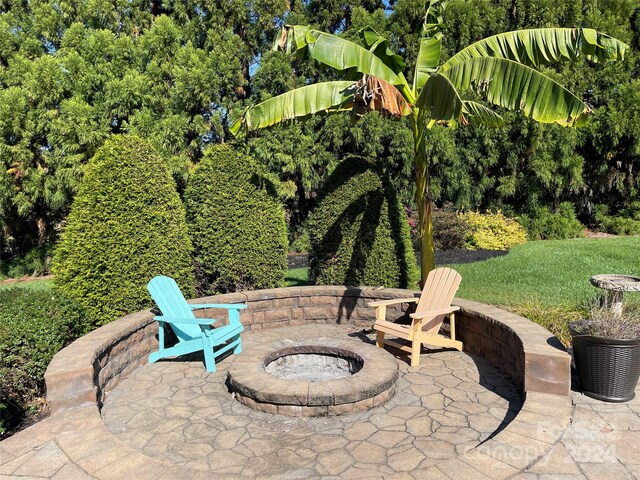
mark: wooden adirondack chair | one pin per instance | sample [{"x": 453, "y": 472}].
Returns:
[
  {"x": 194, "y": 334},
  {"x": 434, "y": 303}
]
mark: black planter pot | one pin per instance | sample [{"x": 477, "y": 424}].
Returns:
[{"x": 608, "y": 368}]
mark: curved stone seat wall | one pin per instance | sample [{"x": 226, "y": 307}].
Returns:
[{"x": 87, "y": 370}]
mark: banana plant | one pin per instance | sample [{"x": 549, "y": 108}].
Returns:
[{"x": 501, "y": 69}]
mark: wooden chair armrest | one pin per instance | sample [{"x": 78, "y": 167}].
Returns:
[
  {"x": 192, "y": 321},
  {"x": 228, "y": 306},
  {"x": 434, "y": 313},
  {"x": 379, "y": 303}
]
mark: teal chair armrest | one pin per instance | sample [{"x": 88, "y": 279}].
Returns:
[
  {"x": 228, "y": 306},
  {"x": 191, "y": 321}
]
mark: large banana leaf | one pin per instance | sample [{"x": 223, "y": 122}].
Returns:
[
  {"x": 478, "y": 114},
  {"x": 379, "y": 46},
  {"x": 427, "y": 61},
  {"x": 439, "y": 100},
  {"x": 430, "y": 44},
  {"x": 299, "y": 103},
  {"x": 336, "y": 52},
  {"x": 543, "y": 46},
  {"x": 518, "y": 87}
]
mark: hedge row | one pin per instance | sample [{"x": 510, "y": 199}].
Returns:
[{"x": 34, "y": 325}]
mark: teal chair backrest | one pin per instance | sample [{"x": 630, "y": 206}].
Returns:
[{"x": 167, "y": 295}]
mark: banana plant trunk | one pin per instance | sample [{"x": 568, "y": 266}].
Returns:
[
  {"x": 423, "y": 199},
  {"x": 427, "y": 250}
]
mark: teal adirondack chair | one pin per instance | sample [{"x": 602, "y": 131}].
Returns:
[{"x": 194, "y": 334}]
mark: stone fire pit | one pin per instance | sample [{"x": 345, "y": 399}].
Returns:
[{"x": 314, "y": 377}]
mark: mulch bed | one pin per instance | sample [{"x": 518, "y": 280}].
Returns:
[
  {"x": 25, "y": 278},
  {"x": 297, "y": 260}
]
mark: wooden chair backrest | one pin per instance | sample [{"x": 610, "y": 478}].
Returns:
[
  {"x": 438, "y": 292},
  {"x": 167, "y": 295}
]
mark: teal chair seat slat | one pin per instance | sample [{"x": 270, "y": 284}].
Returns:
[{"x": 193, "y": 334}]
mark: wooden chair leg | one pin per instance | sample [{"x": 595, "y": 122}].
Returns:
[
  {"x": 380, "y": 339},
  {"x": 452, "y": 326},
  {"x": 416, "y": 341},
  {"x": 415, "y": 353}
]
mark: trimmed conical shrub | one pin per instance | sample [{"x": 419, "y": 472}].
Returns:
[
  {"x": 237, "y": 224},
  {"x": 358, "y": 233},
  {"x": 126, "y": 225}
]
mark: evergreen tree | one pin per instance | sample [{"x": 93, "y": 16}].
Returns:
[
  {"x": 237, "y": 226},
  {"x": 72, "y": 74},
  {"x": 127, "y": 225}
]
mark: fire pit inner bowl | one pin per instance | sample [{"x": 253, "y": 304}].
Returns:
[{"x": 331, "y": 364}]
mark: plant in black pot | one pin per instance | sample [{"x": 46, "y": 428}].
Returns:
[{"x": 606, "y": 351}]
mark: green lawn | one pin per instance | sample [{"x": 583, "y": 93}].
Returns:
[
  {"x": 297, "y": 277},
  {"x": 547, "y": 282},
  {"x": 551, "y": 273}
]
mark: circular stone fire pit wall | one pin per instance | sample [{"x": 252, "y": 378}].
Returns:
[
  {"x": 87, "y": 370},
  {"x": 326, "y": 376}
]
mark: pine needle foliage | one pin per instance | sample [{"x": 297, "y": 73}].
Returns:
[
  {"x": 237, "y": 224},
  {"x": 358, "y": 233},
  {"x": 126, "y": 225}
]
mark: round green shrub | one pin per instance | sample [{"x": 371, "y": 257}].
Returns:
[
  {"x": 359, "y": 234},
  {"x": 237, "y": 224},
  {"x": 34, "y": 325},
  {"x": 543, "y": 224},
  {"x": 126, "y": 225},
  {"x": 626, "y": 222}
]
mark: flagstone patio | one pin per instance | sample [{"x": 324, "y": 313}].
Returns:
[
  {"x": 482, "y": 413},
  {"x": 450, "y": 418},
  {"x": 176, "y": 412}
]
